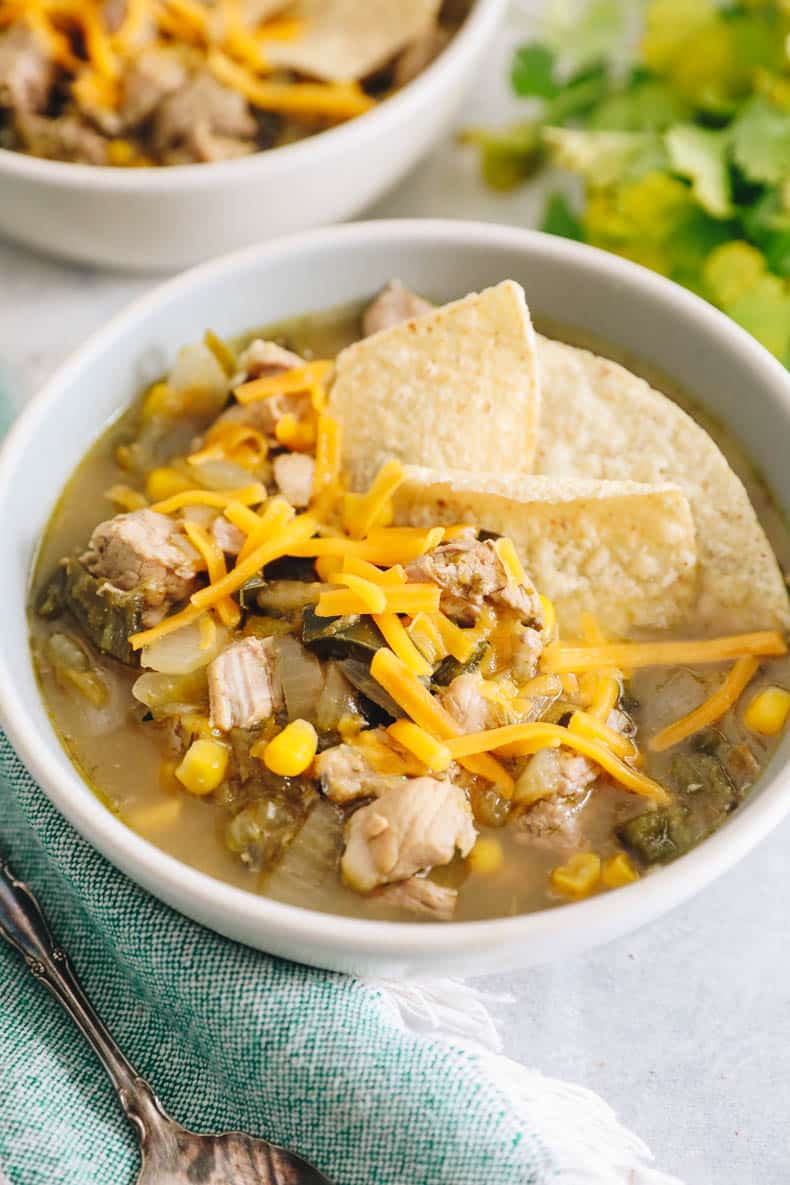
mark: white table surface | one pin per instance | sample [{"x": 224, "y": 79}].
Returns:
[{"x": 685, "y": 1026}]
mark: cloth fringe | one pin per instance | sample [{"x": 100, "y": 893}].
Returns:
[{"x": 575, "y": 1123}]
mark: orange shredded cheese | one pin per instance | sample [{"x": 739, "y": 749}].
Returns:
[
  {"x": 433, "y": 754},
  {"x": 605, "y": 697},
  {"x": 288, "y": 382},
  {"x": 176, "y": 621},
  {"x": 523, "y": 739},
  {"x": 294, "y": 532},
  {"x": 586, "y": 725},
  {"x": 208, "y": 631},
  {"x": 228, "y": 610},
  {"x": 714, "y": 707},
  {"x": 365, "y": 511},
  {"x": 401, "y": 644},
  {"x": 372, "y": 595},
  {"x": 385, "y": 549},
  {"x": 326, "y": 475},
  {"x": 558, "y": 658},
  {"x": 394, "y": 575},
  {"x": 427, "y": 638},
  {"x": 242, "y": 517},
  {"x": 510, "y": 561},
  {"x": 404, "y": 598},
  {"x": 418, "y": 703},
  {"x": 251, "y": 495},
  {"x": 277, "y": 514},
  {"x": 331, "y": 100}
]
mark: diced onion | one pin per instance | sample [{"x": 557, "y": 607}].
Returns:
[
  {"x": 301, "y": 677},
  {"x": 180, "y": 653}
]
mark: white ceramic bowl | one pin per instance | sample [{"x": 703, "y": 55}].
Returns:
[
  {"x": 633, "y": 309},
  {"x": 171, "y": 218}
]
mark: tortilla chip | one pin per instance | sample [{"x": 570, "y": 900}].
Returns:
[
  {"x": 600, "y": 421},
  {"x": 622, "y": 551},
  {"x": 345, "y": 40},
  {"x": 457, "y": 388}
]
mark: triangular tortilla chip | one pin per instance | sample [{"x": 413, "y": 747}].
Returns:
[
  {"x": 600, "y": 421},
  {"x": 622, "y": 551},
  {"x": 349, "y": 39},
  {"x": 457, "y": 388}
]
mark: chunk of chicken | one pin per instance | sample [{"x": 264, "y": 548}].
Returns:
[
  {"x": 26, "y": 71},
  {"x": 346, "y": 775},
  {"x": 465, "y": 703},
  {"x": 293, "y": 473},
  {"x": 201, "y": 106},
  {"x": 144, "y": 551},
  {"x": 394, "y": 304},
  {"x": 227, "y": 536},
  {"x": 410, "y": 828},
  {"x": 421, "y": 896},
  {"x": 261, "y": 359},
  {"x": 557, "y": 782},
  {"x": 155, "y": 74},
  {"x": 67, "y": 138},
  {"x": 470, "y": 573},
  {"x": 244, "y": 685},
  {"x": 527, "y": 647}
]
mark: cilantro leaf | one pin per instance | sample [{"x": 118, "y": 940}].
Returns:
[
  {"x": 606, "y": 157},
  {"x": 559, "y": 218},
  {"x": 599, "y": 29},
  {"x": 701, "y": 155},
  {"x": 761, "y": 141},
  {"x": 532, "y": 72},
  {"x": 643, "y": 106}
]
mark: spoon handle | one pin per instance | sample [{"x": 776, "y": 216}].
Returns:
[{"x": 23, "y": 925}]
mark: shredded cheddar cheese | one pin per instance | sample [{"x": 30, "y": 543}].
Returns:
[
  {"x": 510, "y": 562},
  {"x": 357, "y": 567},
  {"x": 401, "y": 644},
  {"x": 372, "y": 595},
  {"x": 288, "y": 382},
  {"x": 279, "y": 545},
  {"x": 559, "y": 658},
  {"x": 362, "y": 512},
  {"x": 520, "y": 740},
  {"x": 418, "y": 703},
  {"x": 586, "y": 725},
  {"x": 228, "y": 610},
  {"x": 384, "y": 550},
  {"x": 330, "y": 100},
  {"x": 403, "y": 598},
  {"x": 251, "y": 495},
  {"x": 433, "y": 754},
  {"x": 714, "y": 707}
]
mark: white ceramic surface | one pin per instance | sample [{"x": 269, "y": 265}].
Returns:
[
  {"x": 173, "y": 217},
  {"x": 634, "y": 309}
]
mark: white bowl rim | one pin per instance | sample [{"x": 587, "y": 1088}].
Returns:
[
  {"x": 607, "y": 914},
  {"x": 268, "y": 162}
]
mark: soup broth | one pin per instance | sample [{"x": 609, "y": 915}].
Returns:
[{"x": 126, "y": 756}]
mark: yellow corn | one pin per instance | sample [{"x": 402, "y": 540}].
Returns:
[
  {"x": 291, "y": 751},
  {"x": 125, "y": 497},
  {"x": 618, "y": 871},
  {"x": 432, "y": 753},
  {"x": 768, "y": 711},
  {"x": 165, "y": 482},
  {"x": 203, "y": 766},
  {"x": 486, "y": 857},
  {"x": 578, "y": 876},
  {"x": 121, "y": 153},
  {"x": 160, "y": 401}
]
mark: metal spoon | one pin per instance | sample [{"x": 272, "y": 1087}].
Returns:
[{"x": 171, "y": 1155}]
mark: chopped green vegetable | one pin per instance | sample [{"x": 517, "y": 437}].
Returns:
[
  {"x": 340, "y": 637},
  {"x": 559, "y": 219},
  {"x": 450, "y": 668},
  {"x": 684, "y": 157},
  {"x": 107, "y": 615},
  {"x": 701, "y": 155}
]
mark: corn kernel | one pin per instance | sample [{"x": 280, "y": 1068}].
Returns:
[
  {"x": 291, "y": 751},
  {"x": 159, "y": 401},
  {"x": 578, "y": 876},
  {"x": 164, "y": 482},
  {"x": 203, "y": 766},
  {"x": 121, "y": 153},
  {"x": 486, "y": 857},
  {"x": 618, "y": 871},
  {"x": 768, "y": 711},
  {"x": 167, "y": 777}
]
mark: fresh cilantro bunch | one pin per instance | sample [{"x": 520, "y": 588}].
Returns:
[{"x": 683, "y": 152}]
